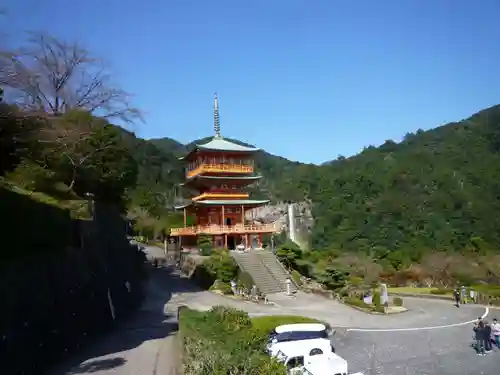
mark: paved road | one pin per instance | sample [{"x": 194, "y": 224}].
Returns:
[
  {"x": 432, "y": 338},
  {"x": 145, "y": 344}
]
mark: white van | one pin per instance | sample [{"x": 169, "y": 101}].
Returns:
[
  {"x": 298, "y": 332},
  {"x": 315, "y": 354}
]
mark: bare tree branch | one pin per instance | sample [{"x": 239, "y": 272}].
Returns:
[{"x": 55, "y": 77}]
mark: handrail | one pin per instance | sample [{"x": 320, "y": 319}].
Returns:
[
  {"x": 287, "y": 272},
  {"x": 220, "y": 167},
  {"x": 238, "y": 228}
]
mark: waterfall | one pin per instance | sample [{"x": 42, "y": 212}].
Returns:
[{"x": 291, "y": 223}]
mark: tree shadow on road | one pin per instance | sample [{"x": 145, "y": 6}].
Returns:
[
  {"x": 99, "y": 365},
  {"x": 150, "y": 322}
]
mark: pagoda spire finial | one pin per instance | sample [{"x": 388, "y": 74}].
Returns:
[{"x": 216, "y": 117}]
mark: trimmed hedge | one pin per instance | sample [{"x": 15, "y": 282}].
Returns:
[
  {"x": 353, "y": 301},
  {"x": 357, "y": 302},
  {"x": 223, "y": 341}
]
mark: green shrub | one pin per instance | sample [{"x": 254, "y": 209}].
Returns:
[
  {"x": 353, "y": 301},
  {"x": 204, "y": 243},
  {"x": 222, "y": 265},
  {"x": 32, "y": 176},
  {"x": 225, "y": 288},
  {"x": 296, "y": 277},
  {"x": 220, "y": 342},
  {"x": 245, "y": 280},
  {"x": 376, "y": 298},
  {"x": 441, "y": 291},
  {"x": 397, "y": 301},
  {"x": 379, "y": 309},
  {"x": 206, "y": 251}
]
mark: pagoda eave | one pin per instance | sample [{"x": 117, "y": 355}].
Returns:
[
  {"x": 204, "y": 180},
  {"x": 224, "y": 202}
]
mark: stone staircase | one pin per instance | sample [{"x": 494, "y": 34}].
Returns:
[{"x": 267, "y": 272}]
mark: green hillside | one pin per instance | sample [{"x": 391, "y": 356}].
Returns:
[{"x": 438, "y": 189}]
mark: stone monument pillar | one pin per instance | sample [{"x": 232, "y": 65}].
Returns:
[{"x": 384, "y": 296}]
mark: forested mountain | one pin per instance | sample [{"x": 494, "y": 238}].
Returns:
[{"x": 438, "y": 189}]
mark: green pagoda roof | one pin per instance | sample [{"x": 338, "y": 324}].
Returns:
[
  {"x": 218, "y": 143},
  {"x": 224, "y": 202}
]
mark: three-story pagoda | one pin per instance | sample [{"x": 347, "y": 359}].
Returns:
[{"x": 218, "y": 171}]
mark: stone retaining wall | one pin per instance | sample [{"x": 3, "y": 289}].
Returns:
[{"x": 56, "y": 302}]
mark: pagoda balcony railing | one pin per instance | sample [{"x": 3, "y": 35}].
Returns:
[
  {"x": 220, "y": 168},
  {"x": 225, "y": 229}
]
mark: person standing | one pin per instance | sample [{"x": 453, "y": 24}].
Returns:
[
  {"x": 495, "y": 330},
  {"x": 479, "y": 336},
  {"x": 487, "y": 337},
  {"x": 456, "y": 294}
]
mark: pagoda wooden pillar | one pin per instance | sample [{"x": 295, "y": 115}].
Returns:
[
  {"x": 223, "y": 216},
  {"x": 185, "y": 218},
  {"x": 225, "y": 241},
  {"x": 259, "y": 240},
  {"x": 242, "y": 215}
]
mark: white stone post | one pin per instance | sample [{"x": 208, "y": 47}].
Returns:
[
  {"x": 288, "y": 284},
  {"x": 233, "y": 287}
]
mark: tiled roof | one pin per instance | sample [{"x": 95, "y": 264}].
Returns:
[
  {"x": 220, "y": 144},
  {"x": 223, "y": 202}
]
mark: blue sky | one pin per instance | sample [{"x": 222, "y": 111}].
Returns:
[{"x": 307, "y": 80}]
